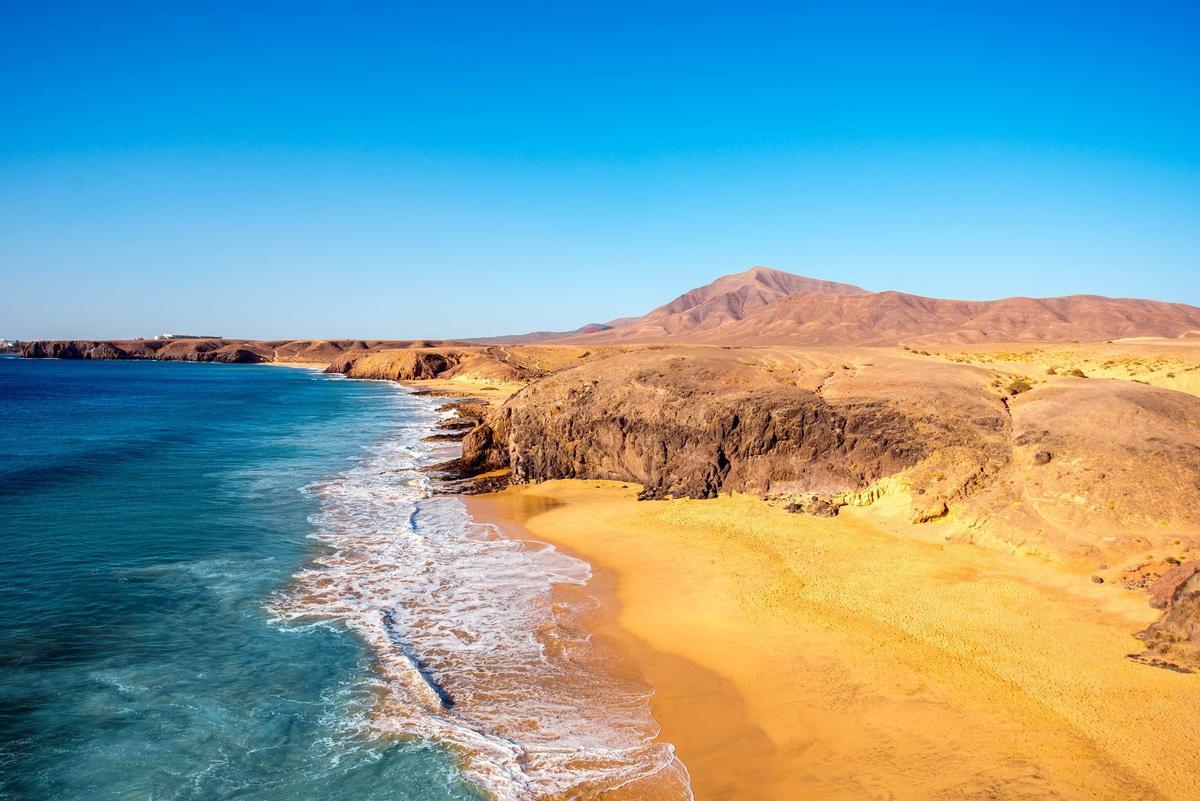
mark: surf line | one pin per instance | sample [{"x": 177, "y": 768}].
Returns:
[{"x": 444, "y": 698}]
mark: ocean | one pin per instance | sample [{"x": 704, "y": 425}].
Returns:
[{"x": 234, "y": 582}]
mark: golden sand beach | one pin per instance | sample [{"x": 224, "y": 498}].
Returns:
[{"x": 796, "y": 657}]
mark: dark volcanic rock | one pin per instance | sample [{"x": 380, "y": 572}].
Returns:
[
  {"x": 184, "y": 350},
  {"x": 485, "y": 447},
  {"x": 1163, "y": 590},
  {"x": 1174, "y": 639},
  {"x": 457, "y": 424},
  {"x": 815, "y": 506},
  {"x": 477, "y": 485},
  {"x": 234, "y": 351},
  {"x": 691, "y": 427},
  {"x": 448, "y": 436},
  {"x": 474, "y": 409},
  {"x": 72, "y": 349},
  {"x": 400, "y": 365},
  {"x": 235, "y": 356}
]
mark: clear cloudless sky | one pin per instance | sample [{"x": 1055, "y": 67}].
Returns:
[{"x": 440, "y": 169}]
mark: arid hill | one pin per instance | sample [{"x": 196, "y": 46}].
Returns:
[
  {"x": 760, "y": 306},
  {"x": 534, "y": 337},
  {"x": 510, "y": 365},
  {"x": 769, "y": 307},
  {"x": 1062, "y": 466}
]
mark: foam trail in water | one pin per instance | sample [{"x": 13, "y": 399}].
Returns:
[{"x": 473, "y": 650}]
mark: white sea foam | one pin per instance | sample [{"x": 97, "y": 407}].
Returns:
[{"x": 473, "y": 649}]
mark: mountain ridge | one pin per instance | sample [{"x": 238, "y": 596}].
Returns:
[{"x": 763, "y": 306}]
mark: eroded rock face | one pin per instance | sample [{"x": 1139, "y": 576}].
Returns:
[
  {"x": 236, "y": 356},
  {"x": 241, "y": 351},
  {"x": 485, "y": 447},
  {"x": 80, "y": 349},
  {"x": 692, "y": 426},
  {"x": 1162, "y": 592},
  {"x": 184, "y": 350},
  {"x": 1173, "y": 641},
  {"x": 396, "y": 365},
  {"x": 419, "y": 364}
]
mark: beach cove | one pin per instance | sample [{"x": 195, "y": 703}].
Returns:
[
  {"x": 560, "y": 639},
  {"x": 797, "y": 657}
]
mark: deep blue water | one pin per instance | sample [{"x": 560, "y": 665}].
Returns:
[{"x": 149, "y": 512}]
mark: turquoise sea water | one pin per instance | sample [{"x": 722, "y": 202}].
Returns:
[
  {"x": 148, "y": 513},
  {"x": 235, "y": 582}
]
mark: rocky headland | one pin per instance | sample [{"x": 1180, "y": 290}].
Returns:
[
  {"x": 230, "y": 351},
  {"x": 1086, "y": 455}
]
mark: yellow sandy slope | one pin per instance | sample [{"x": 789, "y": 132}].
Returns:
[
  {"x": 804, "y": 658},
  {"x": 1167, "y": 363}
]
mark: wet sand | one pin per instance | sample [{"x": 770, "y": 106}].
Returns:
[{"x": 797, "y": 657}]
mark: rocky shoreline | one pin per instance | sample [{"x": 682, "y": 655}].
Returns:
[
  {"x": 227, "y": 351},
  {"x": 1080, "y": 471}
]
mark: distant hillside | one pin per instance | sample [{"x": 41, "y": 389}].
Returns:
[
  {"x": 764, "y": 306},
  {"x": 539, "y": 336},
  {"x": 241, "y": 351},
  {"x": 760, "y": 306}
]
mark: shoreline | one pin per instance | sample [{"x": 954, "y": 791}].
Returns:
[
  {"x": 301, "y": 365},
  {"x": 467, "y": 653},
  {"x": 863, "y": 656},
  {"x": 833, "y": 659},
  {"x": 698, "y": 712}
]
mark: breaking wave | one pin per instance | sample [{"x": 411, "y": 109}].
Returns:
[{"x": 474, "y": 650}]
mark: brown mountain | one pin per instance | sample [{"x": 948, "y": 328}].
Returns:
[
  {"x": 539, "y": 336},
  {"x": 764, "y": 306}
]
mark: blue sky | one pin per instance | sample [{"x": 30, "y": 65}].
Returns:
[{"x": 457, "y": 169}]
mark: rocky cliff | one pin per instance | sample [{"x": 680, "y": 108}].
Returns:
[
  {"x": 1061, "y": 466},
  {"x": 196, "y": 350},
  {"x": 240, "y": 351},
  {"x": 697, "y": 422},
  {"x": 420, "y": 364},
  {"x": 691, "y": 427},
  {"x": 1174, "y": 640}
]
